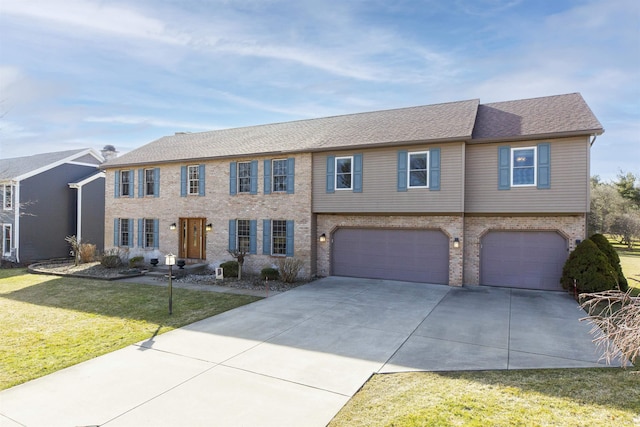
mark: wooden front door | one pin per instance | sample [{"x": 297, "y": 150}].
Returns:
[{"x": 192, "y": 237}]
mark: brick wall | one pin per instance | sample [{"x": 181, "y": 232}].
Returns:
[
  {"x": 217, "y": 207},
  {"x": 452, "y": 226},
  {"x": 571, "y": 228}
]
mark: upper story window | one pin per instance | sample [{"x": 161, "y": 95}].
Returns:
[
  {"x": 149, "y": 182},
  {"x": 7, "y": 203},
  {"x": 244, "y": 177},
  {"x": 279, "y": 168},
  {"x": 344, "y": 175},
  {"x": 125, "y": 183},
  {"x": 193, "y": 184},
  {"x": 418, "y": 169},
  {"x": 523, "y": 166}
]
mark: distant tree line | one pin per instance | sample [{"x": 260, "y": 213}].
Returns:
[{"x": 615, "y": 207}]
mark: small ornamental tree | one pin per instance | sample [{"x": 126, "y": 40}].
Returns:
[
  {"x": 608, "y": 249},
  {"x": 590, "y": 268}
]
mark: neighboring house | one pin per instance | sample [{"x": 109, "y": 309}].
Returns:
[
  {"x": 46, "y": 197},
  {"x": 455, "y": 193}
]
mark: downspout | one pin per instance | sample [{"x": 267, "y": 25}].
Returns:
[
  {"x": 79, "y": 213},
  {"x": 16, "y": 220},
  {"x": 593, "y": 141}
]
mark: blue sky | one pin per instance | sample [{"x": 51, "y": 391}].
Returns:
[{"x": 86, "y": 73}]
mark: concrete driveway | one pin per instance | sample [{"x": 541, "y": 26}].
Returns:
[{"x": 296, "y": 358}]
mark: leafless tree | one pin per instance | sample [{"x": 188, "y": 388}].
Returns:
[{"x": 239, "y": 255}]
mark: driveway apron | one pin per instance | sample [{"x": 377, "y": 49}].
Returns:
[{"x": 296, "y": 358}]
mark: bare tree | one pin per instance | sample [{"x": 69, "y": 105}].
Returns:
[
  {"x": 239, "y": 255},
  {"x": 615, "y": 317}
]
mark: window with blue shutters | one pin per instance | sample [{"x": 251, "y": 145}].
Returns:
[
  {"x": 192, "y": 180},
  {"x": 279, "y": 176},
  {"x": 419, "y": 169},
  {"x": 148, "y": 233},
  {"x": 124, "y": 183},
  {"x": 243, "y": 235},
  {"x": 123, "y": 232},
  {"x": 524, "y": 166},
  {"x": 278, "y": 237}
]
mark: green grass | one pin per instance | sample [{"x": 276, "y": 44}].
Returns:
[
  {"x": 48, "y": 323},
  {"x": 568, "y": 397}
]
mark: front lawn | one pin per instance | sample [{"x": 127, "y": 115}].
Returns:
[
  {"x": 48, "y": 323},
  {"x": 554, "y": 397},
  {"x": 630, "y": 261}
]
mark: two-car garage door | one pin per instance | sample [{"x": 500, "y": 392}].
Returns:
[
  {"x": 393, "y": 254},
  {"x": 522, "y": 259}
]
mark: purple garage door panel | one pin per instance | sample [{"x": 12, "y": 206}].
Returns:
[
  {"x": 523, "y": 259},
  {"x": 411, "y": 255}
]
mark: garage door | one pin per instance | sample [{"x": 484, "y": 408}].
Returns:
[
  {"x": 411, "y": 255},
  {"x": 522, "y": 259}
]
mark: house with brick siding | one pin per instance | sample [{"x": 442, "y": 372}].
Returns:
[{"x": 454, "y": 193}]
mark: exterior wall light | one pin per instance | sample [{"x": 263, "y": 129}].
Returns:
[
  {"x": 172, "y": 226},
  {"x": 456, "y": 242},
  {"x": 209, "y": 227},
  {"x": 323, "y": 238}
]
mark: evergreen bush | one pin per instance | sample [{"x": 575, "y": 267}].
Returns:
[
  {"x": 269, "y": 273},
  {"x": 608, "y": 249},
  {"x": 590, "y": 268},
  {"x": 230, "y": 268}
]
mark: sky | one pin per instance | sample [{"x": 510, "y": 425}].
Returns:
[{"x": 87, "y": 73}]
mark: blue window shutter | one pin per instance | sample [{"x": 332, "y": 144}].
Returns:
[
  {"x": 183, "y": 181},
  {"x": 266, "y": 237},
  {"x": 402, "y": 170},
  {"x": 434, "y": 169},
  {"x": 254, "y": 177},
  {"x": 267, "y": 177},
  {"x": 331, "y": 174},
  {"x": 130, "y": 232},
  {"x": 504, "y": 167},
  {"x": 233, "y": 176},
  {"x": 131, "y": 181},
  {"x": 253, "y": 231},
  {"x": 291, "y": 173},
  {"x": 140, "y": 182},
  {"x": 289, "y": 238},
  {"x": 544, "y": 165},
  {"x": 156, "y": 233},
  {"x": 140, "y": 233},
  {"x": 156, "y": 182},
  {"x": 357, "y": 173},
  {"x": 232, "y": 234},
  {"x": 201, "y": 177},
  {"x": 116, "y": 185},
  {"x": 116, "y": 232}
]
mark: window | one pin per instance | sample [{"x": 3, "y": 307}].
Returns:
[
  {"x": 244, "y": 177},
  {"x": 279, "y": 168},
  {"x": 124, "y": 232},
  {"x": 7, "y": 198},
  {"x": 149, "y": 182},
  {"x": 523, "y": 169},
  {"x": 150, "y": 233},
  {"x": 6, "y": 239},
  {"x": 418, "y": 169},
  {"x": 194, "y": 179},
  {"x": 243, "y": 241},
  {"x": 125, "y": 183},
  {"x": 278, "y": 237},
  {"x": 343, "y": 173}
]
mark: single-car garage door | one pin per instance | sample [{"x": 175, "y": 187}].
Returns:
[
  {"x": 522, "y": 259},
  {"x": 411, "y": 255}
]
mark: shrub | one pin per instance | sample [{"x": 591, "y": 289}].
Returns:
[
  {"x": 612, "y": 255},
  {"x": 136, "y": 262},
  {"x": 230, "y": 268},
  {"x": 590, "y": 268},
  {"x": 87, "y": 252},
  {"x": 111, "y": 261},
  {"x": 289, "y": 269},
  {"x": 269, "y": 273}
]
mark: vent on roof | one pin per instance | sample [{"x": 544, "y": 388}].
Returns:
[{"x": 182, "y": 133}]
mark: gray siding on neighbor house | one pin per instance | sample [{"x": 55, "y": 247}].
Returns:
[
  {"x": 93, "y": 213},
  {"x": 380, "y": 183},
  {"x": 51, "y": 212},
  {"x": 569, "y": 177}
]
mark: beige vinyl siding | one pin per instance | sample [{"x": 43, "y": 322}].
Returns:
[
  {"x": 380, "y": 183},
  {"x": 569, "y": 180}
]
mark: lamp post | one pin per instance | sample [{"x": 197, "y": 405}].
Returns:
[{"x": 170, "y": 260}]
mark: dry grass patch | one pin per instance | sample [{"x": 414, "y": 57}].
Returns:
[
  {"x": 48, "y": 323},
  {"x": 568, "y": 397}
]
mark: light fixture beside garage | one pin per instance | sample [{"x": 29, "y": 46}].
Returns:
[
  {"x": 323, "y": 238},
  {"x": 456, "y": 242}
]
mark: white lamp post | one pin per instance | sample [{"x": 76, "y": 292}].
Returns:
[{"x": 170, "y": 260}]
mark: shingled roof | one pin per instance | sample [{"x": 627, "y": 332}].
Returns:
[
  {"x": 454, "y": 121},
  {"x": 18, "y": 166}
]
